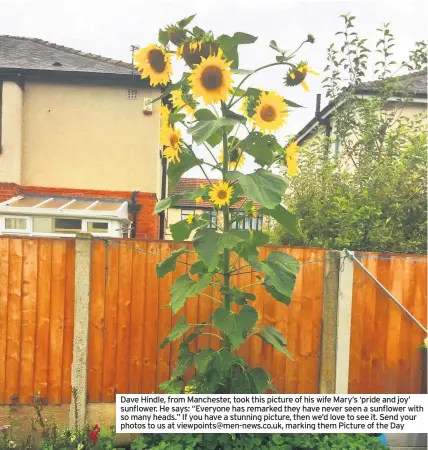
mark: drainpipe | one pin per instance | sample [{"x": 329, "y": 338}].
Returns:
[
  {"x": 325, "y": 122},
  {"x": 133, "y": 209},
  {"x": 163, "y": 195}
]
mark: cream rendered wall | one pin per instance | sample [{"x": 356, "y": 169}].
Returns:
[
  {"x": 11, "y": 136},
  {"x": 90, "y": 137}
]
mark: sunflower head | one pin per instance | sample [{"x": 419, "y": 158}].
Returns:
[
  {"x": 180, "y": 100},
  {"x": 254, "y": 212},
  {"x": 220, "y": 194},
  {"x": 199, "y": 200},
  {"x": 154, "y": 63},
  {"x": 271, "y": 112},
  {"x": 193, "y": 51},
  {"x": 176, "y": 34},
  {"x": 171, "y": 137},
  {"x": 291, "y": 158},
  {"x": 190, "y": 218},
  {"x": 297, "y": 75},
  {"x": 236, "y": 158},
  {"x": 211, "y": 79},
  {"x": 164, "y": 113},
  {"x": 172, "y": 154}
]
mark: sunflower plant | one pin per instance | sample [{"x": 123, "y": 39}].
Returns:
[{"x": 212, "y": 119}]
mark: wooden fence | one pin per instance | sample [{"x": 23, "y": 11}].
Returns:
[
  {"x": 36, "y": 319},
  {"x": 128, "y": 318},
  {"x": 384, "y": 356}
]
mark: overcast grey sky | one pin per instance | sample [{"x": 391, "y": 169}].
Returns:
[{"x": 109, "y": 27}]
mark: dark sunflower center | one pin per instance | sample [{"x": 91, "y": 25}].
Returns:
[
  {"x": 268, "y": 113},
  {"x": 299, "y": 76},
  {"x": 212, "y": 78},
  {"x": 222, "y": 194},
  {"x": 157, "y": 60},
  {"x": 234, "y": 155},
  {"x": 173, "y": 139}
]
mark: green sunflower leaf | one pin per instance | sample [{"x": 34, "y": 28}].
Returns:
[
  {"x": 261, "y": 147},
  {"x": 184, "y": 287},
  {"x": 184, "y": 22},
  {"x": 287, "y": 219},
  {"x": 229, "y": 45},
  {"x": 236, "y": 325},
  {"x": 161, "y": 205},
  {"x": 205, "y": 128},
  {"x": 260, "y": 379},
  {"x": 176, "y": 117},
  {"x": 203, "y": 359},
  {"x": 185, "y": 360},
  {"x": 263, "y": 187},
  {"x": 181, "y": 231},
  {"x": 223, "y": 360},
  {"x": 168, "y": 264},
  {"x": 274, "y": 337},
  {"x": 204, "y": 114},
  {"x": 179, "y": 329},
  {"x": 175, "y": 171},
  {"x": 163, "y": 37},
  {"x": 293, "y": 104}
]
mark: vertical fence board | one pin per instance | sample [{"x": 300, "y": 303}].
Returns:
[
  {"x": 43, "y": 318},
  {"x": 110, "y": 330},
  {"x": 68, "y": 321},
  {"x": 4, "y": 283},
  {"x": 29, "y": 310},
  {"x": 96, "y": 320},
  {"x": 163, "y": 355},
  {"x": 151, "y": 323},
  {"x": 56, "y": 334},
  {"x": 137, "y": 317},
  {"x": 13, "y": 353},
  {"x": 126, "y": 254}
]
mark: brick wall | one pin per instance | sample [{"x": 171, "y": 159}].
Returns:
[{"x": 147, "y": 224}]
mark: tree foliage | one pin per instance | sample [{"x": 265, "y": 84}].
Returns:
[{"x": 371, "y": 194}]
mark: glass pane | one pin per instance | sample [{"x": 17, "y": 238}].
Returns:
[
  {"x": 186, "y": 212},
  {"x": 43, "y": 225},
  {"x": 55, "y": 203},
  {"x": 97, "y": 227},
  {"x": 68, "y": 225},
  {"x": 106, "y": 206},
  {"x": 28, "y": 202},
  {"x": 15, "y": 224},
  {"x": 79, "y": 204},
  {"x": 247, "y": 223}
]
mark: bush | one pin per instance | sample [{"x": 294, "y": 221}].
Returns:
[{"x": 257, "y": 441}]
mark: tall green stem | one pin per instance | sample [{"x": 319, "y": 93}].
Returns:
[{"x": 226, "y": 226}]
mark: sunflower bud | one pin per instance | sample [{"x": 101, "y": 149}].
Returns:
[
  {"x": 310, "y": 38},
  {"x": 193, "y": 52},
  {"x": 176, "y": 35}
]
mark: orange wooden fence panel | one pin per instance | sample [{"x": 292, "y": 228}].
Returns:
[
  {"x": 384, "y": 356},
  {"x": 129, "y": 319},
  {"x": 36, "y": 319}
]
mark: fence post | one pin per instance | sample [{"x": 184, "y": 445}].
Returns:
[
  {"x": 327, "y": 382},
  {"x": 344, "y": 314},
  {"x": 82, "y": 282}
]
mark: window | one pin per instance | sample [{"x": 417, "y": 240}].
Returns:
[
  {"x": 97, "y": 227},
  {"x": 244, "y": 222},
  {"x": 17, "y": 224},
  {"x": 68, "y": 225},
  {"x": 212, "y": 221},
  {"x": 185, "y": 213}
]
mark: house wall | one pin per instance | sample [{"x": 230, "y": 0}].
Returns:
[
  {"x": 90, "y": 137},
  {"x": 11, "y": 135}
]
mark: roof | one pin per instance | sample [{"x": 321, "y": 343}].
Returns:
[
  {"x": 191, "y": 184},
  {"x": 27, "y": 54},
  {"x": 413, "y": 85},
  {"x": 65, "y": 206}
]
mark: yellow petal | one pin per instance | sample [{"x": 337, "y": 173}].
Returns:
[{"x": 305, "y": 86}]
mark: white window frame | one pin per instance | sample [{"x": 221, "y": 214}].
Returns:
[{"x": 5, "y": 230}]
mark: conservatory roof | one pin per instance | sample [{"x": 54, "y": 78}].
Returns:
[{"x": 65, "y": 206}]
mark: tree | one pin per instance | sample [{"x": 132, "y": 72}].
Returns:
[
  {"x": 205, "y": 113},
  {"x": 372, "y": 195}
]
